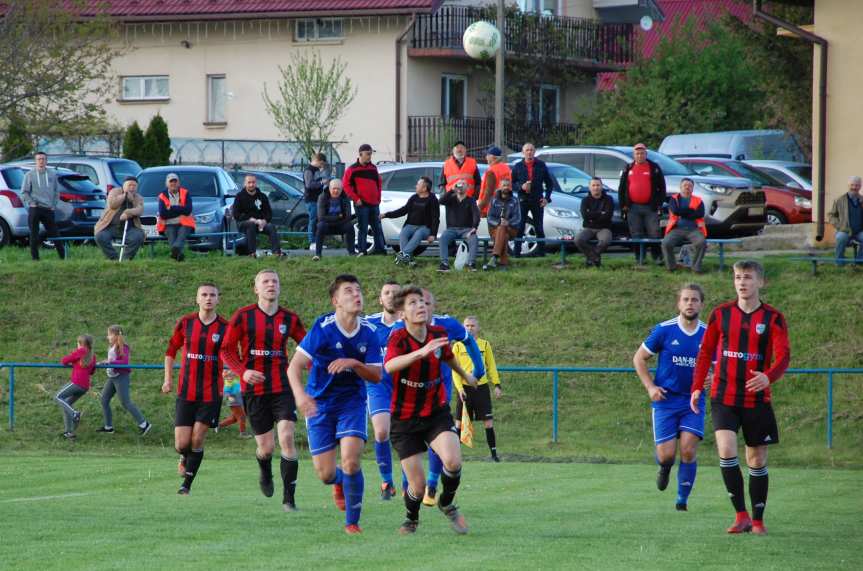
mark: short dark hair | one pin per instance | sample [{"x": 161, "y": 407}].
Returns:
[
  {"x": 427, "y": 181},
  {"x": 209, "y": 284},
  {"x": 593, "y": 178},
  {"x": 751, "y": 265},
  {"x": 691, "y": 287},
  {"x": 37, "y": 153},
  {"x": 457, "y": 143},
  {"x": 342, "y": 279},
  {"x": 410, "y": 289},
  {"x": 391, "y": 282},
  {"x": 321, "y": 157},
  {"x": 686, "y": 179},
  {"x": 130, "y": 179}
]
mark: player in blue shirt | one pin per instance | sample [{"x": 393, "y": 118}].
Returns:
[
  {"x": 380, "y": 394},
  {"x": 676, "y": 341},
  {"x": 344, "y": 352}
]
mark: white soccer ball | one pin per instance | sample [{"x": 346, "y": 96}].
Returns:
[{"x": 481, "y": 40}]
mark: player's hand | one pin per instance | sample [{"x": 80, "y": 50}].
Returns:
[
  {"x": 693, "y": 401},
  {"x": 656, "y": 393},
  {"x": 307, "y": 405},
  {"x": 339, "y": 365},
  {"x": 498, "y": 392},
  {"x": 166, "y": 386},
  {"x": 471, "y": 380},
  {"x": 434, "y": 345},
  {"x": 462, "y": 395},
  {"x": 254, "y": 377},
  {"x": 757, "y": 382}
]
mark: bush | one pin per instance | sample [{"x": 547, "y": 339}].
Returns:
[
  {"x": 157, "y": 143},
  {"x": 17, "y": 142},
  {"x": 133, "y": 143}
]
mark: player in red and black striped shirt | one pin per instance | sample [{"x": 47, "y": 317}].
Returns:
[
  {"x": 420, "y": 411},
  {"x": 256, "y": 349},
  {"x": 199, "y": 388},
  {"x": 748, "y": 340}
]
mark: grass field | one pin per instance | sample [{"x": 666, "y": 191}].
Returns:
[{"x": 121, "y": 512}]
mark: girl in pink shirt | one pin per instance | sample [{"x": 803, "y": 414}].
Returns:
[{"x": 83, "y": 363}]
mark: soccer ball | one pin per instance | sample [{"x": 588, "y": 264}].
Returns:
[{"x": 481, "y": 40}]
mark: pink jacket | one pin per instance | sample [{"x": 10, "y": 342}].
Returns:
[{"x": 80, "y": 374}]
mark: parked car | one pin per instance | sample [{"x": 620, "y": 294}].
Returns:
[
  {"x": 212, "y": 191},
  {"x": 286, "y": 201},
  {"x": 733, "y": 208},
  {"x": 785, "y": 205},
  {"x": 292, "y": 178},
  {"x": 738, "y": 145},
  {"x": 13, "y": 212},
  {"x": 576, "y": 183},
  {"x": 105, "y": 172},
  {"x": 795, "y": 175}
]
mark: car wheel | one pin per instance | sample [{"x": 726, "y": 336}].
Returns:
[
  {"x": 300, "y": 224},
  {"x": 527, "y": 248},
  {"x": 774, "y": 217},
  {"x": 5, "y": 234}
]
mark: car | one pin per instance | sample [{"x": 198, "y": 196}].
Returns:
[
  {"x": 795, "y": 175},
  {"x": 105, "y": 172},
  {"x": 286, "y": 202},
  {"x": 737, "y": 145},
  {"x": 212, "y": 191},
  {"x": 576, "y": 183},
  {"x": 732, "y": 206},
  {"x": 13, "y": 213},
  {"x": 785, "y": 205}
]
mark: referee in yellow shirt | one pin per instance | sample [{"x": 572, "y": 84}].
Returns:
[{"x": 478, "y": 400}]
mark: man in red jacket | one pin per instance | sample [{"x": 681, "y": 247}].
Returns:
[{"x": 362, "y": 184}]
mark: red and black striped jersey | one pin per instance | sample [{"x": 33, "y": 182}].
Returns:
[
  {"x": 259, "y": 342},
  {"x": 418, "y": 390},
  {"x": 201, "y": 368},
  {"x": 742, "y": 343}
]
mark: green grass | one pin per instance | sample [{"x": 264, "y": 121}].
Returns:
[{"x": 121, "y": 512}]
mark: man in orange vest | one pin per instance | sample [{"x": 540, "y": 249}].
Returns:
[
  {"x": 497, "y": 171},
  {"x": 175, "y": 216},
  {"x": 685, "y": 226},
  {"x": 460, "y": 167}
]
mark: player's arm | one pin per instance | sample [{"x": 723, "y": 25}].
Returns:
[
  {"x": 705, "y": 358},
  {"x": 781, "y": 358},
  {"x": 456, "y": 367},
  {"x": 177, "y": 340},
  {"x": 395, "y": 363},
  {"x": 231, "y": 354},
  {"x": 639, "y": 361},
  {"x": 305, "y": 403},
  {"x": 475, "y": 355},
  {"x": 371, "y": 373}
]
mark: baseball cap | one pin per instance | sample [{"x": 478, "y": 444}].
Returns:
[
  {"x": 494, "y": 151},
  {"x": 639, "y": 146},
  {"x": 366, "y": 147},
  {"x": 457, "y": 143},
  {"x": 172, "y": 176}
]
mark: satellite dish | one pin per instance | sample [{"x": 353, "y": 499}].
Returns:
[{"x": 646, "y": 23}]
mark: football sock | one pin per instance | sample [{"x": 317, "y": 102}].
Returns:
[
  {"x": 685, "y": 480},
  {"x": 435, "y": 467},
  {"x": 733, "y": 482},
  {"x": 450, "y": 482},
  {"x": 266, "y": 466},
  {"x": 758, "y": 481},
  {"x": 193, "y": 462},
  {"x": 413, "y": 503},
  {"x": 184, "y": 452},
  {"x": 354, "y": 484},
  {"x": 492, "y": 440},
  {"x": 337, "y": 478},
  {"x": 289, "y": 468},
  {"x": 384, "y": 456}
]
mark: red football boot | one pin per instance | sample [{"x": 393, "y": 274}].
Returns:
[{"x": 742, "y": 523}]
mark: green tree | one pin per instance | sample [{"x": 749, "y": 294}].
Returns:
[
  {"x": 157, "y": 143},
  {"x": 17, "y": 142},
  {"x": 133, "y": 143}
]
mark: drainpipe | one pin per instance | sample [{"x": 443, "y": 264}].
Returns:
[
  {"x": 399, "y": 41},
  {"x": 822, "y": 104}
]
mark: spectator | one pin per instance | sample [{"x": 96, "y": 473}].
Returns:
[
  {"x": 362, "y": 184},
  {"x": 642, "y": 192},
  {"x": 118, "y": 382},
  {"x": 462, "y": 220},
  {"x": 497, "y": 171},
  {"x": 253, "y": 214},
  {"x": 40, "y": 191},
  {"x": 175, "y": 218},
  {"x": 504, "y": 218},
  {"x": 334, "y": 217},
  {"x": 461, "y": 168},
  {"x": 597, "y": 209},
  {"x": 532, "y": 182},
  {"x": 121, "y": 220},
  {"x": 83, "y": 363},
  {"x": 423, "y": 219},
  {"x": 316, "y": 179},
  {"x": 685, "y": 226},
  {"x": 846, "y": 216}
]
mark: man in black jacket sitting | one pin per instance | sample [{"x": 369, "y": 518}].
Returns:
[
  {"x": 252, "y": 212},
  {"x": 597, "y": 209},
  {"x": 462, "y": 220},
  {"x": 334, "y": 217}
]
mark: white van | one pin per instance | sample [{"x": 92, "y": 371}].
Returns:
[{"x": 737, "y": 145}]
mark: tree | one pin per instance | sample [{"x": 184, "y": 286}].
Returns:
[
  {"x": 133, "y": 143},
  {"x": 17, "y": 142},
  {"x": 157, "y": 143},
  {"x": 56, "y": 65},
  {"x": 311, "y": 100}
]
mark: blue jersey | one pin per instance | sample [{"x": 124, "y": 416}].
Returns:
[
  {"x": 383, "y": 330},
  {"x": 678, "y": 351},
  {"x": 326, "y": 342}
]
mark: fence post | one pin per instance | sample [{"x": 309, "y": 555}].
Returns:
[
  {"x": 554, "y": 398},
  {"x": 830, "y": 409},
  {"x": 11, "y": 399}
]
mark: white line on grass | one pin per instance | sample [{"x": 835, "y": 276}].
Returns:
[{"x": 42, "y": 498}]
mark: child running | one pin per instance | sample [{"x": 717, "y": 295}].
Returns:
[
  {"x": 83, "y": 363},
  {"x": 118, "y": 382},
  {"x": 234, "y": 396}
]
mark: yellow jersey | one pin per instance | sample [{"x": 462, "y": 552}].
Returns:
[{"x": 463, "y": 358}]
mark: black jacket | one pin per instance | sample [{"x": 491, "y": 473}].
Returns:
[
  {"x": 324, "y": 201},
  {"x": 541, "y": 183},
  {"x": 460, "y": 214},
  {"x": 657, "y": 186},
  {"x": 251, "y": 206},
  {"x": 420, "y": 212},
  {"x": 597, "y": 212},
  {"x": 315, "y": 180}
]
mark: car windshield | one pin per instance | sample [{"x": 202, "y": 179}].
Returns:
[
  {"x": 197, "y": 183},
  {"x": 120, "y": 169},
  {"x": 295, "y": 182},
  {"x": 803, "y": 171},
  {"x": 760, "y": 177},
  {"x": 14, "y": 177},
  {"x": 668, "y": 165},
  {"x": 288, "y": 184},
  {"x": 78, "y": 183},
  {"x": 570, "y": 179}
]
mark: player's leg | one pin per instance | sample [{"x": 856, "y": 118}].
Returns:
[
  {"x": 691, "y": 428},
  {"x": 726, "y": 445},
  {"x": 665, "y": 438},
  {"x": 379, "y": 410},
  {"x": 196, "y": 454},
  {"x": 481, "y": 404},
  {"x": 447, "y": 445},
  {"x": 759, "y": 431},
  {"x": 289, "y": 464},
  {"x": 351, "y": 449},
  {"x": 184, "y": 419},
  {"x": 412, "y": 468},
  {"x": 435, "y": 468},
  {"x": 258, "y": 409}
]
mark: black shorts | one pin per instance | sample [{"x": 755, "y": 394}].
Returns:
[
  {"x": 187, "y": 413},
  {"x": 265, "y": 411},
  {"x": 759, "y": 423},
  {"x": 410, "y": 437},
  {"x": 478, "y": 403}
]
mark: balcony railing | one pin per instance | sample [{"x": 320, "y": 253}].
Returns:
[
  {"x": 431, "y": 137},
  {"x": 605, "y": 46}
]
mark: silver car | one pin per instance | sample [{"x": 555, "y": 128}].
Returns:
[
  {"x": 795, "y": 175},
  {"x": 14, "y": 213},
  {"x": 104, "y": 172}
]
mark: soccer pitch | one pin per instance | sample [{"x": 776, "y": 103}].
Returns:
[{"x": 97, "y": 512}]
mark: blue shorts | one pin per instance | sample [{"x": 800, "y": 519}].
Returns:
[
  {"x": 668, "y": 423},
  {"x": 380, "y": 396},
  {"x": 334, "y": 423}
]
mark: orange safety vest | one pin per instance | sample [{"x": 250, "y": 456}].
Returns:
[
  {"x": 185, "y": 220},
  {"x": 694, "y": 202},
  {"x": 501, "y": 172},
  {"x": 455, "y": 173}
]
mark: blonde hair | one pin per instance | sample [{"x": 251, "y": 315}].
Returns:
[
  {"x": 86, "y": 341},
  {"x": 119, "y": 340}
]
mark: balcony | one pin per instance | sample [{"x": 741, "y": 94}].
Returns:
[
  {"x": 431, "y": 137},
  {"x": 589, "y": 44}
]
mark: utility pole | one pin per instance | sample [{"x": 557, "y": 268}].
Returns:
[{"x": 498, "y": 79}]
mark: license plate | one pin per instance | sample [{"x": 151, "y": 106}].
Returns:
[
  {"x": 150, "y": 231},
  {"x": 96, "y": 212},
  {"x": 756, "y": 212}
]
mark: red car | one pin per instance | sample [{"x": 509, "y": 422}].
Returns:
[{"x": 785, "y": 205}]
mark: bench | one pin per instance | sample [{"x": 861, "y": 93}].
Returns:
[{"x": 815, "y": 260}]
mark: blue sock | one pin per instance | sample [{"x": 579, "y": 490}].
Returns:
[
  {"x": 385, "y": 461},
  {"x": 404, "y": 480},
  {"x": 435, "y": 467},
  {"x": 685, "y": 480},
  {"x": 337, "y": 478},
  {"x": 354, "y": 484}
]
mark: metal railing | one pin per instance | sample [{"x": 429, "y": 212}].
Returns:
[{"x": 555, "y": 371}]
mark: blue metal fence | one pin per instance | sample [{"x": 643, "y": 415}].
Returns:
[{"x": 830, "y": 372}]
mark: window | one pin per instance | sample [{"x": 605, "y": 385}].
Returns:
[
  {"x": 216, "y": 98},
  {"x": 85, "y": 170},
  {"x": 544, "y": 7},
  {"x": 404, "y": 180},
  {"x": 453, "y": 96},
  {"x": 549, "y": 105},
  {"x": 705, "y": 169},
  {"x": 608, "y": 167},
  {"x": 315, "y": 29},
  {"x": 145, "y": 87},
  {"x": 578, "y": 160}
]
